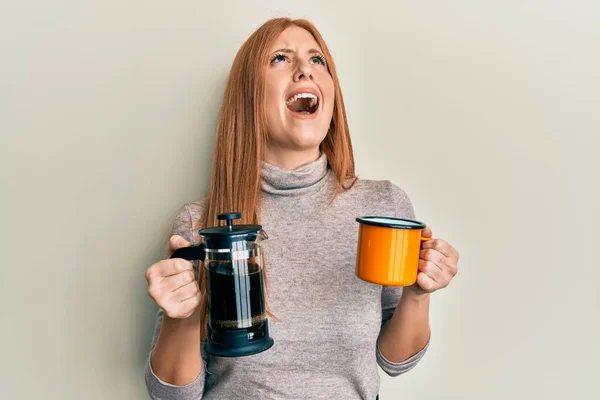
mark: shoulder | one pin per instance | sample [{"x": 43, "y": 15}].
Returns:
[
  {"x": 188, "y": 219},
  {"x": 193, "y": 210},
  {"x": 374, "y": 190}
]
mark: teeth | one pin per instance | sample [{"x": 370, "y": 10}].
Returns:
[{"x": 303, "y": 96}]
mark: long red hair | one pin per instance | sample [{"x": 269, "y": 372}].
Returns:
[{"x": 242, "y": 133}]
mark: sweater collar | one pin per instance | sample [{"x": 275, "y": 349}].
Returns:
[{"x": 306, "y": 179}]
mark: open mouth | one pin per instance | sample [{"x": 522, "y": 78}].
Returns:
[{"x": 303, "y": 103}]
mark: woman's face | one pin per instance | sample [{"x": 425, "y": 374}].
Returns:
[{"x": 299, "y": 97}]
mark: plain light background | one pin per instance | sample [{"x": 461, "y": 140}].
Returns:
[{"x": 486, "y": 113}]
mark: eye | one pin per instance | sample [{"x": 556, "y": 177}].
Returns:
[
  {"x": 278, "y": 58},
  {"x": 318, "y": 59}
]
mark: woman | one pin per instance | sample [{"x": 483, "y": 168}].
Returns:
[{"x": 283, "y": 157}]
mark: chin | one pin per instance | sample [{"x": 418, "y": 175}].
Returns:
[{"x": 306, "y": 139}]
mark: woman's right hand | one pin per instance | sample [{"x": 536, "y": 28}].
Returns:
[{"x": 172, "y": 284}]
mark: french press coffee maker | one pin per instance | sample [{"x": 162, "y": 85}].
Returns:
[{"x": 237, "y": 322}]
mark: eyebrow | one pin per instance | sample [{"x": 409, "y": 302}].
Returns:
[{"x": 285, "y": 50}]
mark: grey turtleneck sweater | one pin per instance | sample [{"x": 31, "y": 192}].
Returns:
[{"x": 326, "y": 339}]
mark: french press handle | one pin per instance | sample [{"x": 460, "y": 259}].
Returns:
[
  {"x": 191, "y": 253},
  {"x": 198, "y": 251}
]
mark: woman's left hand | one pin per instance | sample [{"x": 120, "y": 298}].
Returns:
[{"x": 438, "y": 264}]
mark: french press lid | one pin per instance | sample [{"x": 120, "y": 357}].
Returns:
[
  {"x": 223, "y": 236},
  {"x": 220, "y": 237}
]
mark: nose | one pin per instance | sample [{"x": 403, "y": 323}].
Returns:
[{"x": 303, "y": 71}]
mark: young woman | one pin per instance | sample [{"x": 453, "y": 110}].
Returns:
[{"x": 283, "y": 158}]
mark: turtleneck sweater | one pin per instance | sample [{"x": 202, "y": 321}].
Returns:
[{"x": 327, "y": 321}]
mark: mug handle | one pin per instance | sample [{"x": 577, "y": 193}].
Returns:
[{"x": 425, "y": 239}]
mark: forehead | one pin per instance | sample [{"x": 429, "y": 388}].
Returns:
[{"x": 295, "y": 38}]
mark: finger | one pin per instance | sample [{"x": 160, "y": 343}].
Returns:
[
  {"x": 182, "y": 309},
  {"x": 426, "y": 283},
  {"x": 174, "y": 282},
  {"x": 427, "y": 232},
  {"x": 169, "y": 267},
  {"x": 440, "y": 245},
  {"x": 192, "y": 303},
  {"x": 433, "y": 256},
  {"x": 446, "y": 264},
  {"x": 176, "y": 266},
  {"x": 176, "y": 242},
  {"x": 186, "y": 292},
  {"x": 432, "y": 271}
]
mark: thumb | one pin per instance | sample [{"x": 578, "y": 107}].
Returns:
[{"x": 177, "y": 242}]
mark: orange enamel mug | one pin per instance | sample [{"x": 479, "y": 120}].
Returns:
[{"x": 388, "y": 250}]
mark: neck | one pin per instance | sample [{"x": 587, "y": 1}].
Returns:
[
  {"x": 307, "y": 179},
  {"x": 290, "y": 159}
]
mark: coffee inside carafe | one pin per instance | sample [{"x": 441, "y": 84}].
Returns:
[{"x": 236, "y": 295}]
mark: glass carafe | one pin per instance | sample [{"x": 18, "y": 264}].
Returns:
[{"x": 233, "y": 264}]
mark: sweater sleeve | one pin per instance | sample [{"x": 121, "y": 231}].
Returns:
[
  {"x": 158, "y": 389},
  {"x": 390, "y": 295}
]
